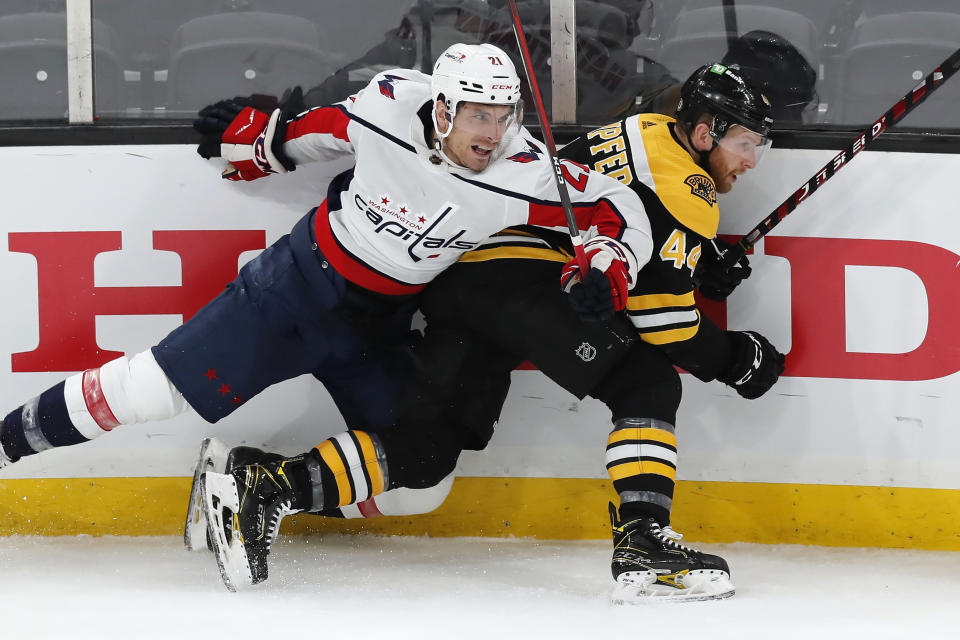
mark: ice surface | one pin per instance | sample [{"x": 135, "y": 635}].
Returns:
[{"x": 332, "y": 587}]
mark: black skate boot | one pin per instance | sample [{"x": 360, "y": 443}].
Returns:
[
  {"x": 215, "y": 457},
  {"x": 244, "y": 509},
  {"x": 649, "y": 564}
]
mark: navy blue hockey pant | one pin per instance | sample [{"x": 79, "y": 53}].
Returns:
[{"x": 288, "y": 313}]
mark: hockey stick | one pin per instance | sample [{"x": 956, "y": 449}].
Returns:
[
  {"x": 893, "y": 115},
  {"x": 548, "y": 138}
]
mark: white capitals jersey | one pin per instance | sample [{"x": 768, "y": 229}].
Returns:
[{"x": 405, "y": 216}]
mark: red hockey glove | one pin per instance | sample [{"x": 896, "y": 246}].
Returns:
[
  {"x": 248, "y": 134},
  {"x": 613, "y": 270}
]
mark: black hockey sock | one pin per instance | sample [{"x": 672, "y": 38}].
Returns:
[{"x": 640, "y": 510}]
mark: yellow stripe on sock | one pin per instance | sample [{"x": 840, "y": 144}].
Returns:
[
  {"x": 336, "y": 464},
  {"x": 639, "y": 467},
  {"x": 370, "y": 462},
  {"x": 657, "y": 435}
]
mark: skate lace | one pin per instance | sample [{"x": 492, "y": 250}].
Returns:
[
  {"x": 282, "y": 510},
  {"x": 668, "y": 537}
]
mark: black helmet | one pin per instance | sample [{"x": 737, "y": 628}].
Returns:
[
  {"x": 774, "y": 65},
  {"x": 722, "y": 91}
]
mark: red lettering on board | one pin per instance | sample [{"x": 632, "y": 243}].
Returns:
[{"x": 69, "y": 301}]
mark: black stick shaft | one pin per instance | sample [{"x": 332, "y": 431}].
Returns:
[{"x": 574, "y": 230}]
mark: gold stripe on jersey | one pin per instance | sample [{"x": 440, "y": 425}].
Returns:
[
  {"x": 683, "y": 187},
  {"x": 659, "y": 300},
  {"x": 514, "y": 251},
  {"x": 663, "y": 318},
  {"x": 671, "y": 335}
]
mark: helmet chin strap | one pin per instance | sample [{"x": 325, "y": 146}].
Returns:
[
  {"x": 703, "y": 159},
  {"x": 440, "y": 136}
]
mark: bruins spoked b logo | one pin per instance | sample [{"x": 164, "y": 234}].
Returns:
[
  {"x": 702, "y": 187},
  {"x": 586, "y": 352}
]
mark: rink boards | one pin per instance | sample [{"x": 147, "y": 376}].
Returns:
[{"x": 108, "y": 248}]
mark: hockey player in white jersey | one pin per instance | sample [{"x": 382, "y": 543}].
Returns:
[
  {"x": 441, "y": 163},
  {"x": 499, "y": 306}
]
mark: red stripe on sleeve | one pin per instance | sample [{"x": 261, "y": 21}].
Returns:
[
  {"x": 96, "y": 402},
  {"x": 608, "y": 221},
  {"x": 331, "y": 120}
]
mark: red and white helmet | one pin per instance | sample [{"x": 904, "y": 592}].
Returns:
[{"x": 474, "y": 73}]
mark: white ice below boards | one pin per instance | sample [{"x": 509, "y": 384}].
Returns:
[{"x": 370, "y": 587}]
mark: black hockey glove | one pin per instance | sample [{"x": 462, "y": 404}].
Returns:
[
  {"x": 756, "y": 367},
  {"x": 613, "y": 270},
  {"x": 711, "y": 278},
  {"x": 591, "y": 297}
]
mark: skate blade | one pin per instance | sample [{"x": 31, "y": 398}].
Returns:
[
  {"x": 213, "y": 456},
  {"x": 639, "y": 587},
  {"x": 220, "y": 501}
]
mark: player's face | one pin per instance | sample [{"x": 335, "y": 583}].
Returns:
[
  {"x": 477, "y": 131},
  {"x": 736, "y": 153}
]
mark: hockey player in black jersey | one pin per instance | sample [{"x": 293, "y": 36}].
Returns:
[{"x": 499, "y": 306}]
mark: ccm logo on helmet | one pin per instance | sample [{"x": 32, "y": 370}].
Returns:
[{"x": 502, "y": 86}]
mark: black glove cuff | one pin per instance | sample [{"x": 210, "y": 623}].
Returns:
[
  {"x": 291, "y": 105},
  {"x": 745, "y": 352},
  {"x": 276, "y": 145},
  {"x": 591, "y": 298}
]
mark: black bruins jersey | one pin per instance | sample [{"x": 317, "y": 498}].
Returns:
[
  {"x": 680, "y": 200},
  {"x": 681, "y": 203}
]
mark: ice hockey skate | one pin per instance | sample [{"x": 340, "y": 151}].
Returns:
[
  {"x": 214, "y": 456},
  {"x": 243, "y": 510},
  {"x": 650, "y": 565}
]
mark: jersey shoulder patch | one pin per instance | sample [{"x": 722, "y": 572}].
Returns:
[
  {"x": 388, "y": 85},
  {"x": 702, "y": 187},
  {"x": 531, "y": 153}
]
